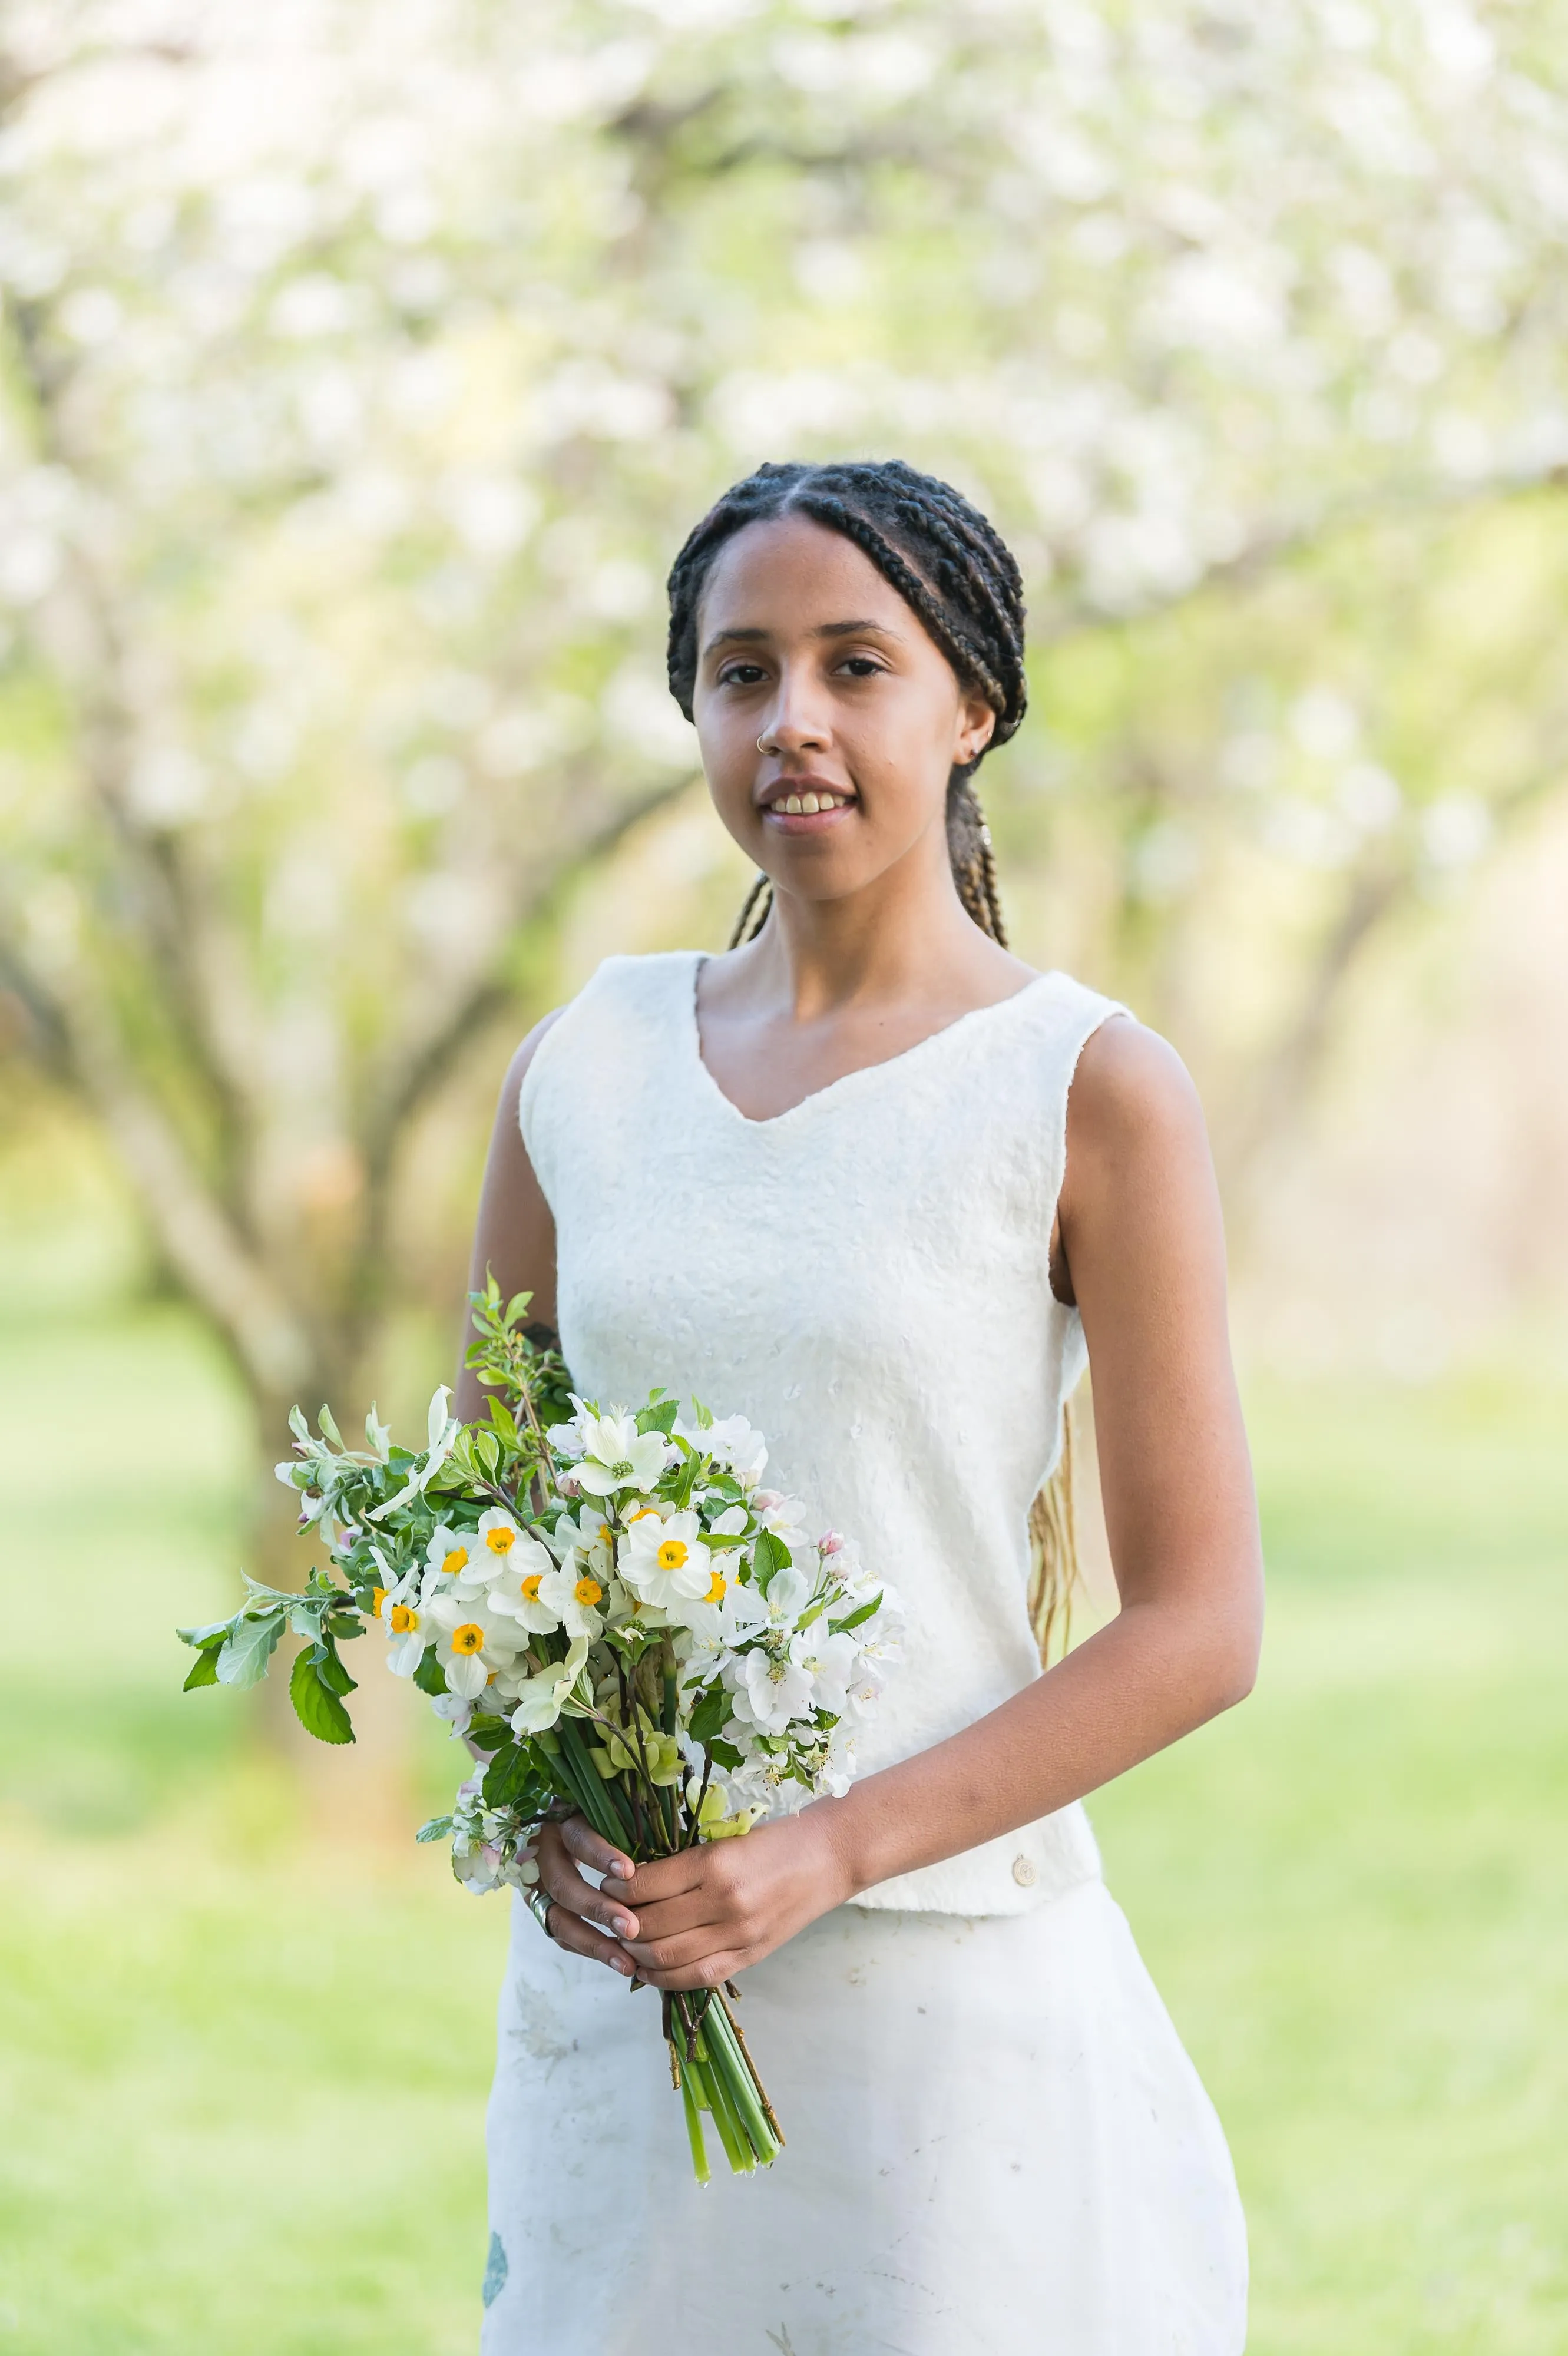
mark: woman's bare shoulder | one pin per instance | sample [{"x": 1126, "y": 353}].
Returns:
[{"x": 1132, "y": 1094}]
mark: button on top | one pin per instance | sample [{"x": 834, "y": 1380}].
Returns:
[{"x": 1023, "y": 1872}]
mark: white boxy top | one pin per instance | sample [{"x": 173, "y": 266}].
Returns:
[{"x": 865, "y": 1278}]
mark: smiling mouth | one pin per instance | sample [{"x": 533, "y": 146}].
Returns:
[{"x": 792, "y": 797}]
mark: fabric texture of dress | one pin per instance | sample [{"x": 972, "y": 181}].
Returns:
[{"x": 997, "y": 2145}]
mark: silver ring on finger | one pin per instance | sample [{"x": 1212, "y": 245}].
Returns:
[{"x": 539, "y": 1906}]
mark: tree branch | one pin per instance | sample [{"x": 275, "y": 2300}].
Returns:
[
  {"x": 430, "y": 1059},
  {"x": 1292, "y": 1065},
  {"x": 1287, "y": 538},
  {"x": 271, "y": 1343}
]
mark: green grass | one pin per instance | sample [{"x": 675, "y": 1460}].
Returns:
[{"x": 244, "y": 2073}]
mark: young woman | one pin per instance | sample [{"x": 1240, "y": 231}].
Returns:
[{"x": 836, "y": 1181}]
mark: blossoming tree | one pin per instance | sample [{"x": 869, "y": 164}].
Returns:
[{"x": 354, "y": 393}]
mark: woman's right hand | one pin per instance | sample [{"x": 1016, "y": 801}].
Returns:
[{"x": 576, "y": 1906}]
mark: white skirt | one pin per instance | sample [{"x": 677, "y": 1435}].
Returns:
[{"x": 996, "y": 2147}]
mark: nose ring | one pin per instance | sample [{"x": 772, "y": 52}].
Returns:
[{"x": 761, "y": 746}]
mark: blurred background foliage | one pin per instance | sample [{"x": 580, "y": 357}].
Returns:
[{"x": 360, "y": 372}]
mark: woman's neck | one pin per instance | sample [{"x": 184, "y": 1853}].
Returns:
[{"x": 905, "y": 939}]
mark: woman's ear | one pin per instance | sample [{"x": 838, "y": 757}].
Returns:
[{"x": 977, "y": 725}]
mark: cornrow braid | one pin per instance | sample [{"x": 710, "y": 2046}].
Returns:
[{"x": 951, "y": 566}]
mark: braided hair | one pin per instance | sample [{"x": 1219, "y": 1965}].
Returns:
[
  {"x": 948, "y": 563},
  {"x": 954, "y": 569}
]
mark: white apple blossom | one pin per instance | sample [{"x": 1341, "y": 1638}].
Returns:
[
  {"x": 734, "y": 1444},
  {"x": 831, "y": 1662},
  {"x": 617, "y": 1456},
  {"x": 769, "y": 1689}
]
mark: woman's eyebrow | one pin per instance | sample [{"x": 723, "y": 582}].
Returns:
[{"x": 823, "y": 630}]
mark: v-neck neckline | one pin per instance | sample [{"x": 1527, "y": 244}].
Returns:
[{"x": 831, "y": 1089}]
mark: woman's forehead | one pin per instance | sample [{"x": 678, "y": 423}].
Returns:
[{"x": 786, "y": 574}]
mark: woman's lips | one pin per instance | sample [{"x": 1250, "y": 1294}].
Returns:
[{"x": 805, "y": 805}]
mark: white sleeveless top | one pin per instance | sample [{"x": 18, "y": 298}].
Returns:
[{"x": 865, "y": 1278}]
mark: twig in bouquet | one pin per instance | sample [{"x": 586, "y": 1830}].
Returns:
[
  {"x": 696, "y": 1834},
  {"x": 765, "y": 2106}
]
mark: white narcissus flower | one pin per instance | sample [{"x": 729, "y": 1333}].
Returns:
[
  {"x": 520, "y": 1595},
  {"x": 590, "y": 1533},
  {"x": 397, "y": 1607},
  {"x": 452, "y": 1554},
  {"x": 539, "y": 1698},
  {"x": 495, "y": 1545},
  {"x": 443, "y": 1430},
  {"x": 615, "y": 1455},
  {"x": 574, "y": 1596},
  {"x": 730, "y": 1523},
  {"x": 472, "y": 1642},
  {"x": 770, "y": 1689},
  {"x": 665, "y": 1560}
]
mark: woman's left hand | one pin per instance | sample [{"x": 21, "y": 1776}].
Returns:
[{"x": 709, "y": 1912}]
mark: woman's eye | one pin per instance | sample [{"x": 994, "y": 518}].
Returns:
[
  {"x": 861, "y": 666},
  {"x": 740, "y": 674}
]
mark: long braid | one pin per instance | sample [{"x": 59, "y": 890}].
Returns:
[{"x": 953, "y": 567}]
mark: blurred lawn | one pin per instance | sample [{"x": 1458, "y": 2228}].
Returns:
[{"x": 245, "y": 2078}]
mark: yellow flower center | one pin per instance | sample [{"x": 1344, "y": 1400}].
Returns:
[
  {"x": 644, "y": 1514},
  {"x": 587, "y": 1591},
  {"x": 468, "y": 1638},
  {"x": 452, "y": 1564},
  {"x": 671, "y": 1554},
  {"x": 403, "y": 1618},
  {"x": 531, "y": 1587},
  {"x": 498, "y": 1541},
  {"x": 717, "y": 1588},
  {"x": 379, "y": 1598},
  {"x": 605, "y": 1534}
]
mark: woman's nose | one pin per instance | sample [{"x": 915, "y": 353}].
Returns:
[{"x": 797, "y": 721}]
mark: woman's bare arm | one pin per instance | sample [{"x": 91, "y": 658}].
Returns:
[
  {"x": 1141, "y": 1232},
  {"x": 514, "y": 1233}
]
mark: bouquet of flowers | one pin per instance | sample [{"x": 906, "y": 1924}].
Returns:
[{"x": 615, "y": 1614}]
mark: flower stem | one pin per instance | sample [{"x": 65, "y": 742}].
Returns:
[{"x": 694, "y": 2127}]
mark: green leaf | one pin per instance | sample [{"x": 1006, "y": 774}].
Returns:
[
  {"x": 710, "y": 1715},
  {"x": 772, "y": 1555},
  {"x": 867, "y": 1612},
  {"x": 315, "y": 1706},
  {"x": 505, "y": 1422},
  {"x": 724, "y": 1754},
  {"x": 332, "y": 1673},
  {"x": 341, "y": 1627},
  {"x": 206, "y": 1639},
  {"x": 488, "y": 1731},
  {"x": 203, "y": 1670},
  {"x": 659, "y": 1418},
  {"x": 430, "y": 1677},
  {"x": 244, "y": 1659},
  {"x": 508, "y": 1776},
  {"x": 438, "y": 1828},
  {"x": 515, "y": 1308}
]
